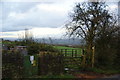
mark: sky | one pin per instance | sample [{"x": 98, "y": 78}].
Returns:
[{"x": 44, "y": 18}]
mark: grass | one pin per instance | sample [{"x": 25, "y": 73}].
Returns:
[
  {"x": 64, "y": 47},
  {"x": 69, "y": 50},
  {"x": 56, "y": 76}
]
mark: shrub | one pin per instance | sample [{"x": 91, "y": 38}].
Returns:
[
  {"x": 12, "y": 64},
  {"x": 33, "y": 49},
  {"x": 45, "y": 47},
  {"x": 50, "y": 63}
]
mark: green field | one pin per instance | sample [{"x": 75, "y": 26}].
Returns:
[{"x": 69, "y": 50}]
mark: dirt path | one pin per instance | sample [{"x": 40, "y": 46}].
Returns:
[
  {"x": 92, "y": 75},
  {"x": 117, "y": 76},
  {"x": 86, "y": 75}
]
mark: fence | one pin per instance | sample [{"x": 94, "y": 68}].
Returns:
[
  {"x": 50, "y": 63},
  {"x": 72, "y": 58},
  {"x": 71, "y": 52},
  {"x": 12, "y": 65}
]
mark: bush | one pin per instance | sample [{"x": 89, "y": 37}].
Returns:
[
  {"x": 12, "y": 64},
  {"x": 33, "y": 49},
  {"x": 45, "y": 47},
  {"x": 50, "y": 63}
]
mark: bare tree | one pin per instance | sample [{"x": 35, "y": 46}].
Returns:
[{"x": 87, "y": 21}]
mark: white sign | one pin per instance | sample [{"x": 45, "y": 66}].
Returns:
[
  {"x": 66, "y": 69},
  {"x": 31, "y": 59},
  {"x": 93, "y": 47}
]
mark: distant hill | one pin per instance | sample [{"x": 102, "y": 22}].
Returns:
[
  {"x": 56, "y": 41},
  {"x": 62, "y": 41}
]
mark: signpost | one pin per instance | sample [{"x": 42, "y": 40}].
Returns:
[
  {"x": 32, "y": 59},
  {"x": 93, "y": 54}
]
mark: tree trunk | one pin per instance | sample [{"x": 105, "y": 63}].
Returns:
[{"x": 89, "y": 54}]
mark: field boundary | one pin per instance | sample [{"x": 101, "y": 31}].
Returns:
[{"x": 70, "y": 52}]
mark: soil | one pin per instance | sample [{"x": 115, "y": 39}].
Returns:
[
  {"x": 87, "y": 75},
  {"x": 93, "y": 75}
]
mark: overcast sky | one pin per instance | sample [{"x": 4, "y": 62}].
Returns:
[{"x": 45, "y": 18}]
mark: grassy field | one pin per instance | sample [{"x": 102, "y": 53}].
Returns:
[{"x": 69, "y": 50}]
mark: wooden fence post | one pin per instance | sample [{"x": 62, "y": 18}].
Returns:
[
  {"x": 72, "y": 52},
  {"x": 65, "y": 52},
  {"x": 93, "y": 53},
  {"x": 61, "y": 50},
  {"x": 75, "y": 53}
]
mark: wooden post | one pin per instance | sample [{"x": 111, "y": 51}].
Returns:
[
  {"x": 93, "y": 53},
  {"x": 83, "y": 63},
  {"x": 65, "y": 52},
  {"x": 72, "y": 52},
  {"x": 75, "y": 53},
  {"x": 61, "y": 50}
]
